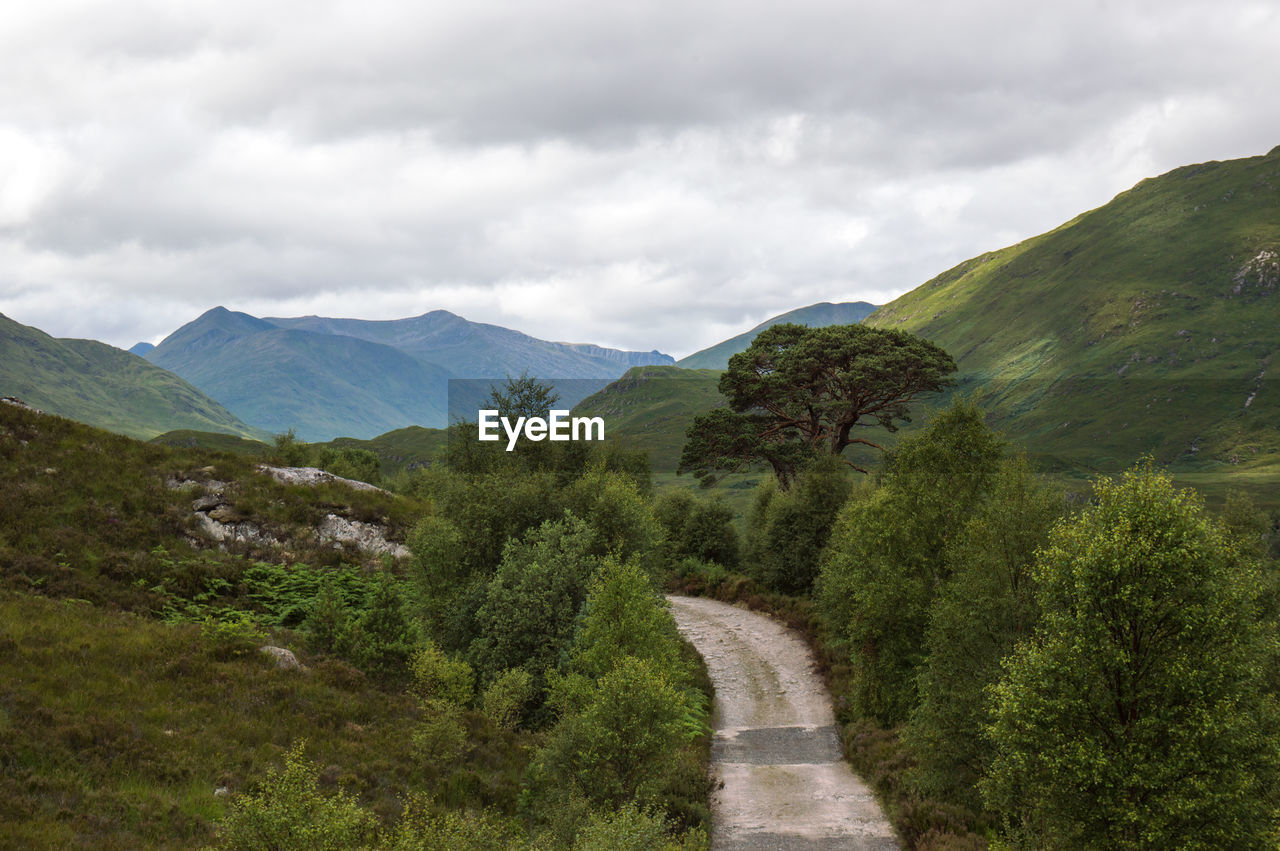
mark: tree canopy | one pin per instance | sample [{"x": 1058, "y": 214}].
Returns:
[{"x": 799, "y": 392}]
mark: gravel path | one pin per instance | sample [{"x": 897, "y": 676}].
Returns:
[{"x": 776, "y": 752}]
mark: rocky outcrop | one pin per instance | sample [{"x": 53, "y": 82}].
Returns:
[
  {"x": 285, "y": 660},
  {"x": 18, "y": 403},
  {"x": 369, "y": 537},
  {"x": 218, "y": 519},
  {"x": 311, "y": 476}
]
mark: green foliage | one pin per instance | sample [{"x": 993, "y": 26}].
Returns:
[
  {"x": 618, "y": 513},
  {"x": 789, "y": 529},
  {"x": 886, "y": 559},
  {"x": 503, "y": 702},
  {"x": 1137, "y": 716},
  {"x": 701, "y": 529},
  {"x": 290, "y": 812},
  {"x": 982, "y": 611},
  {"x": 531, "y": 604},
  {"x": 231, "y": 633},
  {"x": 624, "y": 616},
  {"x": 383, "y": 639},
  {"x": 632, "y": 828},
  {"x": 350, "y": 463},
  {"x": 522, "y": 397},
  {"x": 328, "y": 622},
  {"x": 440, "y": 737},
  {"x": 423, "y": 828},
  {"x": 437, "y": 677},
  {"x": 796, "y": 391},
  {"x": 624, "y": 745},
  {"x": 288, "y": 451}
]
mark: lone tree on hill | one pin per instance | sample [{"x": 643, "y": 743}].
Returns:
[{"x": 798, "y": 392}]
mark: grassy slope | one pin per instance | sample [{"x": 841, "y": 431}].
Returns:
[
  {"x": 105, "y": 386},
  {"x": 115, "y": 728},
  {"x": 651, "y": 407},
  {"x": 815, "y": 316},
  {"x": 1142, "y": 326}
]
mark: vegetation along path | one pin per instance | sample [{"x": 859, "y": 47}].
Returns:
[{"x": 782, "y": 782}]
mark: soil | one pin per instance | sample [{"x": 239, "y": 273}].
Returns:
[{"x": 781, "y": 781}]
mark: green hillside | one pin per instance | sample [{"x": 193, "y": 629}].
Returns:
[
  {"x": 322, "y": 385},
  {"x": 1147, "y": 325},
  {"x": 815, "y": 316},
  {"x": 107, "y": 387}
]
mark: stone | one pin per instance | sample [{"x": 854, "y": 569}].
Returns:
[{"x": 284, "y": 658}]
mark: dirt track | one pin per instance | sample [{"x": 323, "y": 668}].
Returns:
[{"x": 776, "y": 753}]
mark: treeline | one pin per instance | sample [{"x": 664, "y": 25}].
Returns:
[
  {"x": 1022, "y": 669},
  {"x": 530, "y": 611}
]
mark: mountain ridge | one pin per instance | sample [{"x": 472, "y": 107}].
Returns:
[
  {"x": 105, "y": 386},
  {"x": 813, "y": 315}
]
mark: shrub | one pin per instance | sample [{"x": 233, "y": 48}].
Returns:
[
  {"x": 504, "y": 700},
  {"x": 437, "y": 677},
  {"x": 290, "y": 812},
  {"x": 231, "y": 633},
  {"x": 1136, "y": 717}
]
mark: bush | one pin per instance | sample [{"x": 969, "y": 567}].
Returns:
[
  {"x": 696, "y": 528},
  {"x": 1136, "y": 717},
  {"x": 634, "y": 829},
  {"x": 290, "y": 812},
  {"x": 437, "y": 677},
  {"x": 625, "y": 743},
  {"x": 231, "y": 633},
  {"x": 503, "y": 702},
  {"x": 790, "y": 528}
]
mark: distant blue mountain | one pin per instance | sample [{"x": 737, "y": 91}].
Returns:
[{"x": 328, "y": 378}]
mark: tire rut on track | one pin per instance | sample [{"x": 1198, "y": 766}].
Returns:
[{"x": 781, "y": 781}]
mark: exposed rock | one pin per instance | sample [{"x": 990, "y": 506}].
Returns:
[
  {"x": 312, "y": 476},
  {"x": 1261, "y": 272},
  {"x": 18, "y": 403},
  {"x": 367, "y": 536},
  {"x": 206, "y": 502},
  {"x": 284, "y": 658},
  {"x": 240, "y": 533},
  {"x": 223, "y": 513}
]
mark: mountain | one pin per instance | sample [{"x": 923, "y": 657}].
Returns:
[
  {"x": 104, "y": 386},
  {"x": 328, "y": 378},
  {"x": 140, "y": 349},
  {"x": 477, "y": 350},
  {"x": 651, "y": 408},
  {"x": 1148, "y": 325},
  {"x": 814, "y": 316},
  {"x": 322, "y": 385}
]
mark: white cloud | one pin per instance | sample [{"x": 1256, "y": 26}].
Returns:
[{"x": 649, "y": 175}]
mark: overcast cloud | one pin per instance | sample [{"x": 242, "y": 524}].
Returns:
[{"x": 641, "y": 175}]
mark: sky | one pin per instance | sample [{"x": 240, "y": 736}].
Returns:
[{"x": 644, "y": 175}]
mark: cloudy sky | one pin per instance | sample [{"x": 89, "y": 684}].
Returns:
[{"x": 641, "y": 174}]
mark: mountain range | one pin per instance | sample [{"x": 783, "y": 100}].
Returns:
[
  {"x": 327, "y": 378},
  {"x": 99, "y": 384}
]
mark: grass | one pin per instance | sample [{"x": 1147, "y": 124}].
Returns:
[
  {"x": 105, "y": 386},
  {"x": 117, "y": 730}
]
